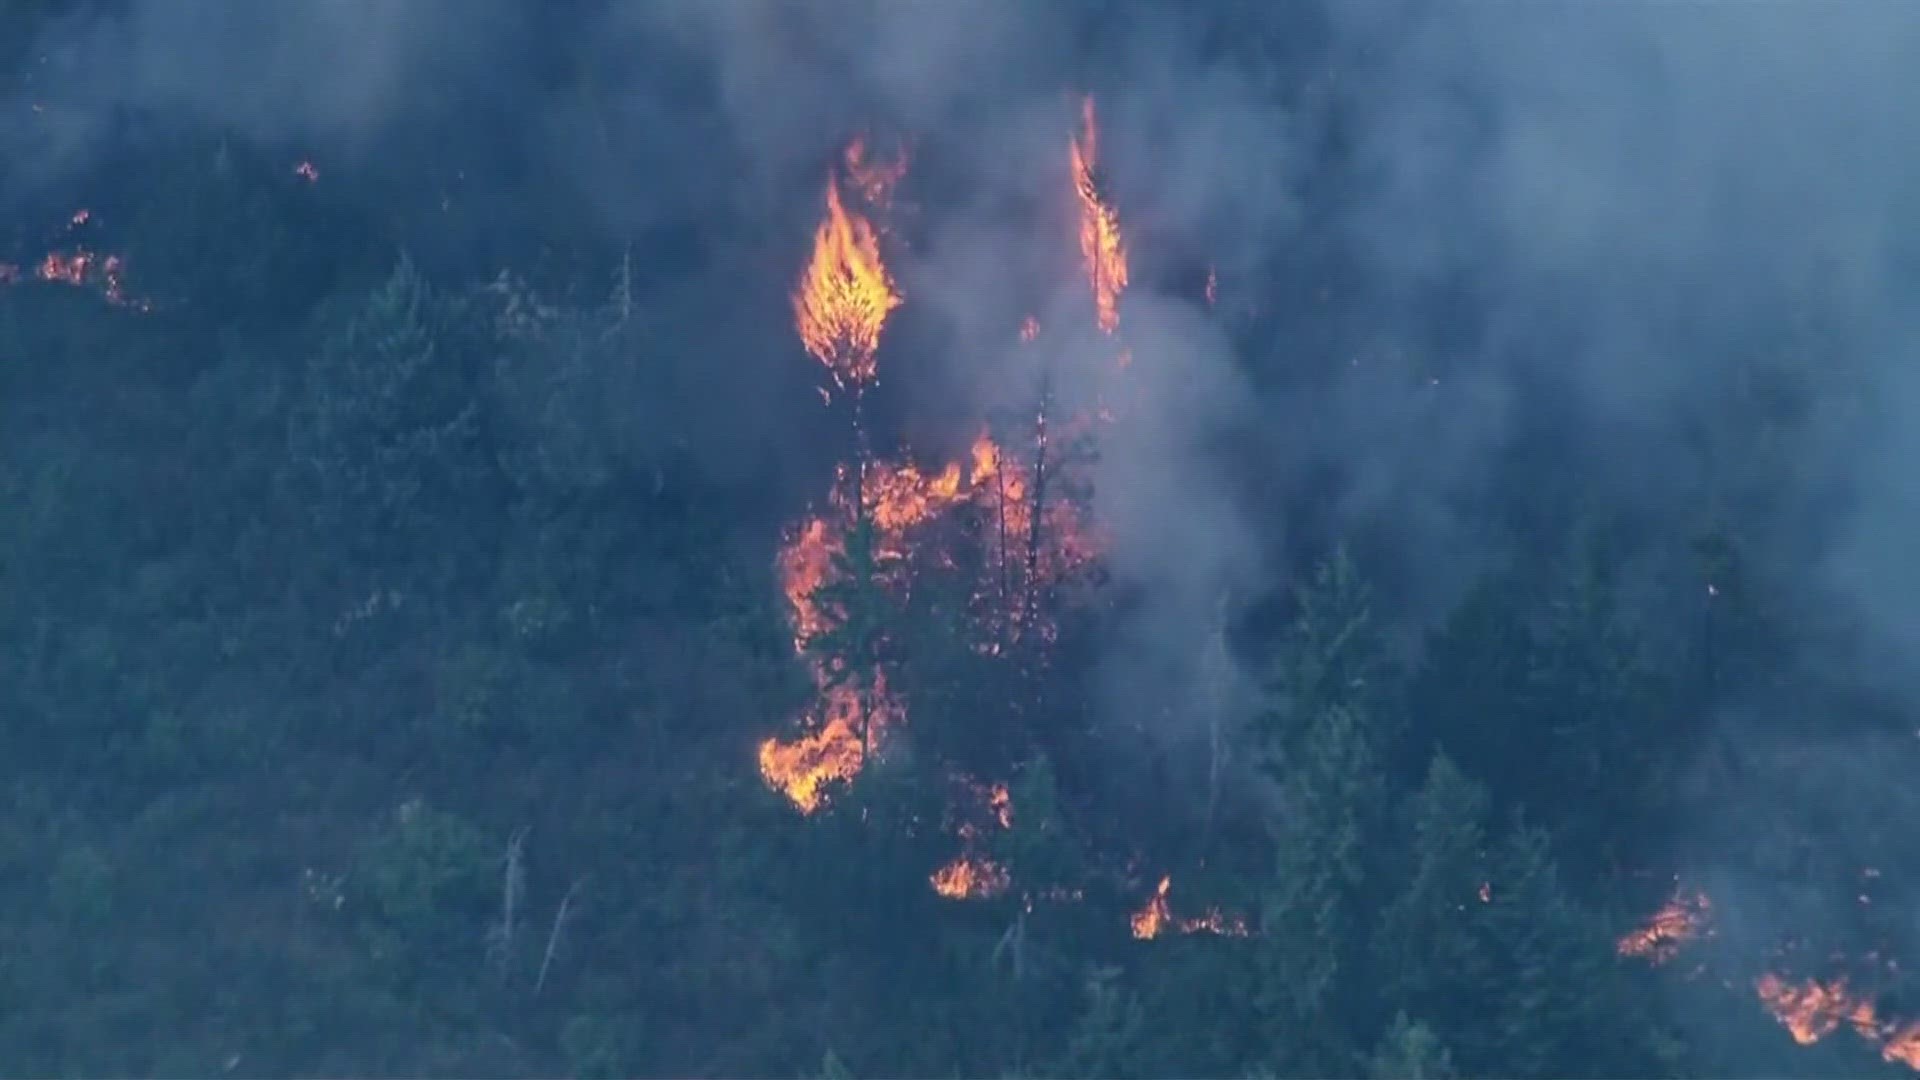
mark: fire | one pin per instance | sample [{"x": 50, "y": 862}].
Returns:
[
  {"x": 1151, "y": 919},
  {"x": 79, "y": 268},
  {"x": 803, "y": 565},
  {"x": 1100, "y": 241},
  {"x": 1021, "y": 513},
  {"x": 845, "y": 293},
  {"x": 307, "y": 171},
  {"x": 874, "y": 180},
  {"x": 898, "y": 500},
  {"x": 845, "y": 724},
  {"x": 970, "y": 878},
  {"x": 80, "y": 217},
  {"x": 1213, "y": 287},
  {"x": 1157, "y": 917},
  {"x": 1678, "y": 921},
  {"x": 1811, "y": 1010},
  {"x": 66, "y": 269}
]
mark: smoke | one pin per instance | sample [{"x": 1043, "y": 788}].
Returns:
[
  {"x": 333, "y": 71},
  {"x": 1686, "y": 232},
  {"x": 1627, "y": 225}
]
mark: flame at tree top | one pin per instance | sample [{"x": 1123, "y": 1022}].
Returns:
[
  {"x": 1101, "y": 245},
  {"x": 846, "y": 293}
]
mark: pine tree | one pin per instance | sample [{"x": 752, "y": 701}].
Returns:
[
  {"x": 1552, "y": 1010},
  {"x": 1430, "y": 950},
  {"x": 1332, "y": 654},
  {"x": 858, "y": 613},
  {"x": 1321, "y": 747}
]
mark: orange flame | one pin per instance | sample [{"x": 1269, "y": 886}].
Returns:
[
  {"x": 898, "y": 500},
  {"x": 835, "y": 747},
  {"x": 79, "y": 268},
  {"x": 1811, "y": 1010},
  {"x": 875, "y": 180},
  {"x": 1100, "y": 241},
  {"x": 970, "y": 878},
  {"x": 1678, "y": 921},
  {"x": 1157, "y": 917},
  {"x": 1001, "y": 803},
  {"x": 845, "y": 294}
]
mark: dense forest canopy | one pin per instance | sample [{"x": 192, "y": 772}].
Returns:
[{"x": 1025, "y": 538}]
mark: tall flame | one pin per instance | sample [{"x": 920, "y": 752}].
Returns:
[
  {"x": 1101, "y": 245},
  {"x": 845, "y": 293}
]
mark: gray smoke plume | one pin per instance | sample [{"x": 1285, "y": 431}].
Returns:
[
  {"x": 1660, "y": 217},
  {"x": 1686, "y": 216}
]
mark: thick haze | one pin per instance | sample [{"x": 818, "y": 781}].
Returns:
[
  {"x": 1664, "y": 210},
  {"x": 1600, "y": 218}
]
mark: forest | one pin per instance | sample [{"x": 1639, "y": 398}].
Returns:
[{"x": 1031, "y": 538}]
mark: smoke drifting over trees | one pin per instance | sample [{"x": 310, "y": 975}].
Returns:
[{"x": 1497, "y": 463}]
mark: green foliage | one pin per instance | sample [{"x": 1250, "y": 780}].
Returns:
[
  {"x": 324, "y": 534},
  {"x": 422, "y": 885},
  {"x": 1432, "y": 948},
  {"x": 1410, "y": 1051}
]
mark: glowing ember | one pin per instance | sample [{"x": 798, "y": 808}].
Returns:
[
  {"x": 1100, "y": 242},
  {"x": 79, "y": 268},
  {"x": 1679, "y": 921},
  {"x": 845, "y": 295},
  {"x": 80, "y": 217}
]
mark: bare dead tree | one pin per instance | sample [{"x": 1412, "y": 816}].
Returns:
[
  {"x": 1013, "y": 945},
  {"x": 513, "y": 883},
  {"x": 1216, "y": 674},
  {"x": 560, "y": 916},
  {"x": 1032, "y": 602}
]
